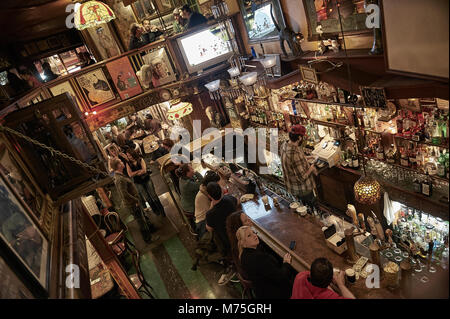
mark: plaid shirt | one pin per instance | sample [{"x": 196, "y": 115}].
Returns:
[{"x": 295, "y": 166}]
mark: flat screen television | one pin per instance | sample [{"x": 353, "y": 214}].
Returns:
[{"x": 205, "y": 48}]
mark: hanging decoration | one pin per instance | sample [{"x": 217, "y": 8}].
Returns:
[
  {"x": 367, "y": 190},
  {"x": 91, "y": 14}
]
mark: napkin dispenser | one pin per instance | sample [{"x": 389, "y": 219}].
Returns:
[{"x": 334, "y": 241}]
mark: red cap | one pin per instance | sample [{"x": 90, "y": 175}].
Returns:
[{"x": 298, "y": 129}]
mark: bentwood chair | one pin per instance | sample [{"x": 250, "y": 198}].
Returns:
[{"x": 122, "y": 246}]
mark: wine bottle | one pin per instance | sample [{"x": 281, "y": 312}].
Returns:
[
  {"x": 355, "y": 161},
  {"x": 380, "y": 152},
  {"x": 417, "y": 185}
]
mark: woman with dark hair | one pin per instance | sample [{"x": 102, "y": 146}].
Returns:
[
  {"x": 137, "y": 170},
  {"x": 48, "y": 73},
  {"x": 203, "y": 202},
  {"x": 189, "y": 186},
  {"x": 233, "y": 223}
]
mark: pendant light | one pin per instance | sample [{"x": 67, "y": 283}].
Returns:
[
  {"x": 367, "y": 189},
  {"x": 91, "y": 14}
]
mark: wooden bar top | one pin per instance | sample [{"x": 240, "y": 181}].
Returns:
[{"x": 277, "y": 227}]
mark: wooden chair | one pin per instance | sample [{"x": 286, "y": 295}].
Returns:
[
  {"x": 122, "y": 246},
  {"x": 247, "y": 287}
]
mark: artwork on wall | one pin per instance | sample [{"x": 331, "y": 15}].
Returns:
[
  {"x": 95, "y": 87},
  {"x": 374, "y": 97},
  {"x": 20, "y": 181},
  {"x": 19, "y": 232},
  {"x": 124, "y": 78},
  {"x": 157, "y": 69},
  {"x": 124, "y": 19},
  {"x": 64, "y": 87},
  {"x": 164, "y": 5},
  {"x": 104, "y": 41},
  {"x": 323, "y": 15},
  {"x": 410, "y": 104},
  {"x": 309, "y": 74}
]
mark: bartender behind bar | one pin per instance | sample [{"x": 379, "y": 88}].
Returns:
[{"x": 297, "y": 172}]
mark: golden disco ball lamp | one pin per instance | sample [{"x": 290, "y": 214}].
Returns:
[{"x": 367, "y": 190}]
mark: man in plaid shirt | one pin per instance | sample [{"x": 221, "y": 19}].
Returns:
[{"x": 298, "y": 174}]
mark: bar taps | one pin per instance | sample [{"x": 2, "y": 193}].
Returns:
[
  {"x": 378, "y": 226},
  {"x": 389, "y": 236},
  {"x": 352, "y": 256},
  {"x": 351, "y": 212},
  {"x": 362, "y": 222}
]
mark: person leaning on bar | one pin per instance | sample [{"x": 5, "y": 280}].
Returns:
[{"x": 297, "y": 172}]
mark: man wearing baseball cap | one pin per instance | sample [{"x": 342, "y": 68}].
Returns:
[{"x": 297, "y": 172}]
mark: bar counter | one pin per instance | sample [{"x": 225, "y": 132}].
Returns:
[{"x": 278, "y": 226}]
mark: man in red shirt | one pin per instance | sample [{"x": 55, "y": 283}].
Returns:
[{"x": 315, "y": 284}]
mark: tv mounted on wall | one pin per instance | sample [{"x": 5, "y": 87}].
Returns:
[{"x": 205, "y": 48}]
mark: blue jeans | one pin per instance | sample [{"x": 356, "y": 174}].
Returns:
[{"x": 200, "y": 228}]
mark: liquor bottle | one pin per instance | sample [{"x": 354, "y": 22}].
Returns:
[
  {"x": 441, "y": 164},
  {"x": 404, "y": 159},
  {"x": 400, "y": 122},
  {"x": 417, "y": 185},
  {"x": 380, "y": 152},
  {"x": 390, "y": 155},
  {"x": 427, "y": 186}
]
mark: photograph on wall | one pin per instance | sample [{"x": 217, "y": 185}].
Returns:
[
  {"x": 65, "y": 87},
  {"x": 157, "y": 69},
  {"x": 163, "y": 5},
  {"x": 104, "y": 41},
  {"x": 324, "y": 13},
  {"x": 374, "y": 97},
  {"x": 21, "y": 235},
  {"x": 124, "y": 19},
  {"x": 95, "y": 87},
  {"x": 410, "y": 104},
  {"x": 309, "y": 74},
  {"x": 124, "y": 78},
  {"x": 19, "y": 180}
]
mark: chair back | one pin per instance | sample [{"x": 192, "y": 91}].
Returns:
[{"x": 113, "y": 222}]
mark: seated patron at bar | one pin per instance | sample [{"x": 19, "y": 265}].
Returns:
[
  {"x": 203, "y": 202},
  {"x": 180, "y": 23},
  {"x": 315, "y": 284},
  {"x": 297, "y": 172},
  {"x": 269, "y": 280},
  {"x": 193, "y": 18},
  {"x": 151, "y": 32}
]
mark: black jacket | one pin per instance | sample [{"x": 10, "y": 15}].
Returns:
[
  {"x": 270, "y": 281},
  {"x": 150, "y": 37},
  {"x": 195, "y": 20},
  {"x": 135, "y": 43}
]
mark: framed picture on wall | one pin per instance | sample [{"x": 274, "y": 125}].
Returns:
[
  {"x": 325, "y": 14},
  {"x": 160, "y": 66},
  {"x": 410, "y": 104},
  {"x": 66, "y": 87},
  {"x": 95, "y": 88},
  {"x": 124, "y": 78},
  {"x": 21, "y": 235},
  {"x": 104, "y": 41},
  {"x": 164, "y": 5},
  {"x": 309, "y": 74},
  {"x": 124, "y": 19}
]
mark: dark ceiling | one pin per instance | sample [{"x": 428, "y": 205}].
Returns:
[{"x": 23, "y": 20}]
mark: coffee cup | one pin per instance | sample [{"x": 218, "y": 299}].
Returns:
[{"x": 350, "y": 275}]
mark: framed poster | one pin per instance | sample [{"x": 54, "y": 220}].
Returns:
[
  {"x": 95, "y": 87},
  {"x": 163, "y": 5},
  {"x": 104, "y": 41},
  {"x": 124, "y": 78},
  {"x": 309, "y": 74},
  {"x": 21, "y": 235},
  {"x": 124, "y": 19},
  {"x": 63, "y": 88},
  {"x": 160, "y": 67},
  {"x": 324, "y": 14},
  {"x": 12, "y": 287},
  {"x": 374, "y": 97},
  {"x": 410, "y": 104}
]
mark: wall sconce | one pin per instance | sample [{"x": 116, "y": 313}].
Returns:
[
  {"x": 234, "y": 72},
  {"x": 249, "y": 79},
  {"x": 213, "y": 88},
  {"x": 268, "y": 64}
]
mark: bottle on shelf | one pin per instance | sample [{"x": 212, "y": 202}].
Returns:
[
  {"x": 427, "y": 186},
  {"x": 404, "y": 159},
  {"x": 417, "y": 185},
  {"x": 390, "y": 155},
  {"x": 380, "y": 152},
  {"x": 355, "y": 161}
]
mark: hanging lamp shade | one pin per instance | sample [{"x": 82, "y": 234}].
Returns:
[
  {"x": 213, "y": 86},
  {"x": 249, "y": 78},
  {"x": 367, "y": 190},
  {"x": 179, "y": 110},
  {"x": 91, "y": 14},
  {"x": 269, "y": 62}
]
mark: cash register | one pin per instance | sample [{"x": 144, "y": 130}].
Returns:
[{"x": 327, "y": 151}]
